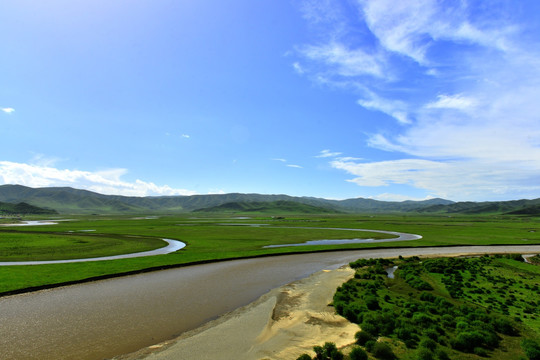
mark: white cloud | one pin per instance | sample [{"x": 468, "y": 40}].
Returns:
[
  {"x": 185, "y": 136},
  {"x": 458, "y": 101},
  {"x": 288, "y": 165},
  {"x": 327, "y": 153},
  {"x": 395, "y": 108},
  {"x": 43, "y": 160},
  {"x": 104, "y": 182},
  {"x": 398, "y": 25},
  {"x": 387, "y": 172},
  {"x": 344, "y": 61},
  {"x": 379, "y": 141},
  {"x": 456, "y": 180},
  {"x": 8, "y": 110},
  {"x": 298, "y": 68},
  {"x": 480, "y": 137},
  {"x": 411, "y": 27}
]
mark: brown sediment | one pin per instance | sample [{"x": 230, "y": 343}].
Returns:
[{"x": 282, "y": 324}]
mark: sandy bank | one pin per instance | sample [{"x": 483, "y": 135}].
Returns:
[{"x": 281, "y": 324}]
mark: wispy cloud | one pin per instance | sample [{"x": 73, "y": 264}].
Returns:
[
  {"x": 395, "y": 108},
  {"x": 185, "y": 136},
  {"x": 44, "y": 160},
  {"x": 327, "y": 153},
  {"x": 8, "y": 110},
  {"x": 412, "y": 27},
  {"x": 458, "y": 101},
  {"x": 104, "y": 182},
  {"x": 344, "y": 61},
  {"x": 287, "y": 165},
  {"x": 298, "y": 68},
  {"x": 462, "y": 84}
]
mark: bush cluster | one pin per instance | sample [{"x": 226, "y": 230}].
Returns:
[{"x": 425, "y": 321}]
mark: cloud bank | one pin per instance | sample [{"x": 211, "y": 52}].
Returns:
[{"x": 103, "y": 182}]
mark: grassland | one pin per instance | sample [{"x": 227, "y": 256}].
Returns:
[
  {"x": 218, "y": 237},
  {"x": 20, "y": 246}
]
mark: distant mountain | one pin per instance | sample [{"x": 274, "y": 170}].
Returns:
[
  {"x": 74, "y": 201},
  {"x": 513, "y": 207},
  {"x": 370, "y": 205},
  {"x": 527, "y": 210},
  {"x": 275, "y": 207},
  {"x": 23, "y": 208},
  {"x": 65, "y": 200}
]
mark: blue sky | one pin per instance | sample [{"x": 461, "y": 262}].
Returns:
[{"x": 337, "y": 99}]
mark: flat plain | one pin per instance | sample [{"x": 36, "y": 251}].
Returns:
[{"x": 220, "y": 237}]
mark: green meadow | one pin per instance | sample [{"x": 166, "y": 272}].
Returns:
[{"x": 218, "y": 237}]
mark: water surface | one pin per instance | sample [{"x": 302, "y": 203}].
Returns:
[{"x": 111, "y": 317}]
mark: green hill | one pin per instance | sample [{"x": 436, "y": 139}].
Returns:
[
  {"x": 67, "y": 200},
  {"x": 513, "y": 207},
  {"x": 23, "y": 209},
  {"x": 74, "y": 201},
  {"x": 277, "y": 207}
]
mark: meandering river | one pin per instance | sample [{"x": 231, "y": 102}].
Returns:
[{"x": 106, "y": 318}]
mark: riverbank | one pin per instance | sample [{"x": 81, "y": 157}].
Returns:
[
  {"x": 104, "y": 319},
  {"x": 282, "y": 324}
]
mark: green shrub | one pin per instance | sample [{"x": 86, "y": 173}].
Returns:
[
  {"x": 424, "y": 354},
  {"x": 357, "y": 353},
  {"x": 383, "y": 351},
  {"x": 369, "y": 345},
  {"x": 422, "y": 319},
  {"x": 369, "y": 328},
  {"x": 466, "y": 341},
  {"x": 480, "y": 351},
  {"x": 432, "y": 334},
  {"x": 441, "y": 355},
  {"x": 504, "y": 326},
  {"x": 362, "y": 337},
  {"x": 372, "y": 303},
  {"x": 328, "y": 351},
  {"x": 304, "y": 357},
  {"x": 428, "y": 344},
  {"x": 406, "y": 332},
  {"x": 531, "y": 349}
]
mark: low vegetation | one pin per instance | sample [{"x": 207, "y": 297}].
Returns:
[
  {"x": 18, "y": 246},
  {"x": 218, "y": 237},
  {"x": 443, "y": 308}
]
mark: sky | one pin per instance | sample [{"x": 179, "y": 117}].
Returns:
[{"x": 393, "y": 101}]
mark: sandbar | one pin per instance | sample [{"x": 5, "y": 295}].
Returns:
[{"x": 282, "y": 324}]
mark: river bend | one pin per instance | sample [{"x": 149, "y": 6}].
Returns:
[{"x": 106, "y": 318}]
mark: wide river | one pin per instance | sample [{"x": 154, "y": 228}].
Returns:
[{"x": 111, "y": 317}]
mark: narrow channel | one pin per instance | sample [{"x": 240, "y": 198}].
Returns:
[{"x": 111, "y": 317}]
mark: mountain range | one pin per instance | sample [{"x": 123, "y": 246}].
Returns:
[{"x": 66, "y": 200}]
